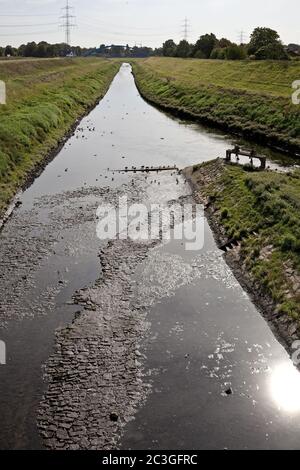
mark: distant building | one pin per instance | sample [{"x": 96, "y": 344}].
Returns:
[{"x": 293, "y": 49}]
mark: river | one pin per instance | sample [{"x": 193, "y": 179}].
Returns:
[{"x": 156, "y": 347}]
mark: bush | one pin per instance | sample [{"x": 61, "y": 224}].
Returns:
[
  {"x": 199, "y": 55},
  {"x": 225, "y": 213},
  {"x": 235, "y": 52},
  {"x": 272, "y": 51},
  {"x": 288, "y": 243},
  {"x": 218, "y": 53}
]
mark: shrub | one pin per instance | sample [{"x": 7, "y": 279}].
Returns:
[
  {"x": 288, "y": 242},
  {"x": 218, "y": 53},
  {"x": 225, "y": 213},
  {"x": 199, "y": 55},
  {"x": 235, "y": 52},
  {"x": 272, "y": 51}
]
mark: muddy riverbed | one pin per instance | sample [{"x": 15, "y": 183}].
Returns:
[{"x": 131, "y": 344}]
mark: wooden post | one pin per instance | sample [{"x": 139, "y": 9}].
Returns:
[
  {"x": 263, "y": 163},
  {"x": 228, "y": 155}
]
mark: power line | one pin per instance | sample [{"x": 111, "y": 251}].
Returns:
[
  {"x": 117, "y": 33},
  {"x": 68, "y": 19},
  {"x": 9, "y": 35},
  {"x": 23, "y": 16},
  {"x": 118, "y": 26},
  {"x": 26, "y": 25},
  {"x": 111, "y": 27}
]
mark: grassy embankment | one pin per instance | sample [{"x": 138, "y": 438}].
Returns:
[
  {"x": 44, "y": 99},
  {"x": 252, "y": 98},
  {"x": 262, "y": 210}
]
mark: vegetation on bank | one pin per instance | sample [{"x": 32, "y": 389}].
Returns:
[
  {"x": 252, "y": 98},
  {"x": 261, "y": 209},
  {"x": 44, "y": 99}
]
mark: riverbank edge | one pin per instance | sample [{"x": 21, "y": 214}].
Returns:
[
  {"x": 185, "y": 114},
  {"x": 281, "y": 325},
  {"x": 53, "y": 151}
]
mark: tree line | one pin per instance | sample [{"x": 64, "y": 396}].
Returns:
[
  {"x": 264, "y": 44},
  {"x": 42, "y": 49}
]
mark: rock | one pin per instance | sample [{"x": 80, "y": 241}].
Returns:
[
  {"x": 62, "y": 435},
  {"x": 229, "y": 391}
]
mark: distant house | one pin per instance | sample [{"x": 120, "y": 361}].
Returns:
[{"x": 293, "y": 49}]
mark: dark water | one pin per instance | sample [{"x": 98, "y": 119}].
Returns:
[{"x": 206, "y": 336}]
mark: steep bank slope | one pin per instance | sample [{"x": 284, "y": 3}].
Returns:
[
  {"x": 44, "y": 100},
  {"x": 249, "y": 98},
  {"x": 258, "y": 212}
]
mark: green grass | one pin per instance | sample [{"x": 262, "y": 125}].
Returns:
[
  {"x": 44, "y": 99},
  {"x": 268, "y": 204},
  {"x": 249, "y": 97}
]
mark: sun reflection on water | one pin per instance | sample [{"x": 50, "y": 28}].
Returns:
[{"x": 285, "y": 387}]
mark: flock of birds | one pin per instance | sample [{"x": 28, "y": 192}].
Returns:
[{"x": 80, "y": 133}]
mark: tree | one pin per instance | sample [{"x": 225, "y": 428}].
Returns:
[
  {"x": 30, "y": 49},
  {"x": 8, "y": 51},
  {"x": 224, "y": 43},
  {"x": 183, "y": 49},
  {"x": 158, "y": 51},
  {"x": 262, "y": 37},
  {"x": 127, "y": 51},
  {"x": 102, "y": 49},
  {"x": 21, "y": 50},
  {"x": 41, "y": 50},
  {"x": 169, "y": 48},
  {"x": 265, "y": 44},
  {"x": 205, "y": 45}
]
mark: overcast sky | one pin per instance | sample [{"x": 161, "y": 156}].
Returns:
[{"x": 147, "y": 22}]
